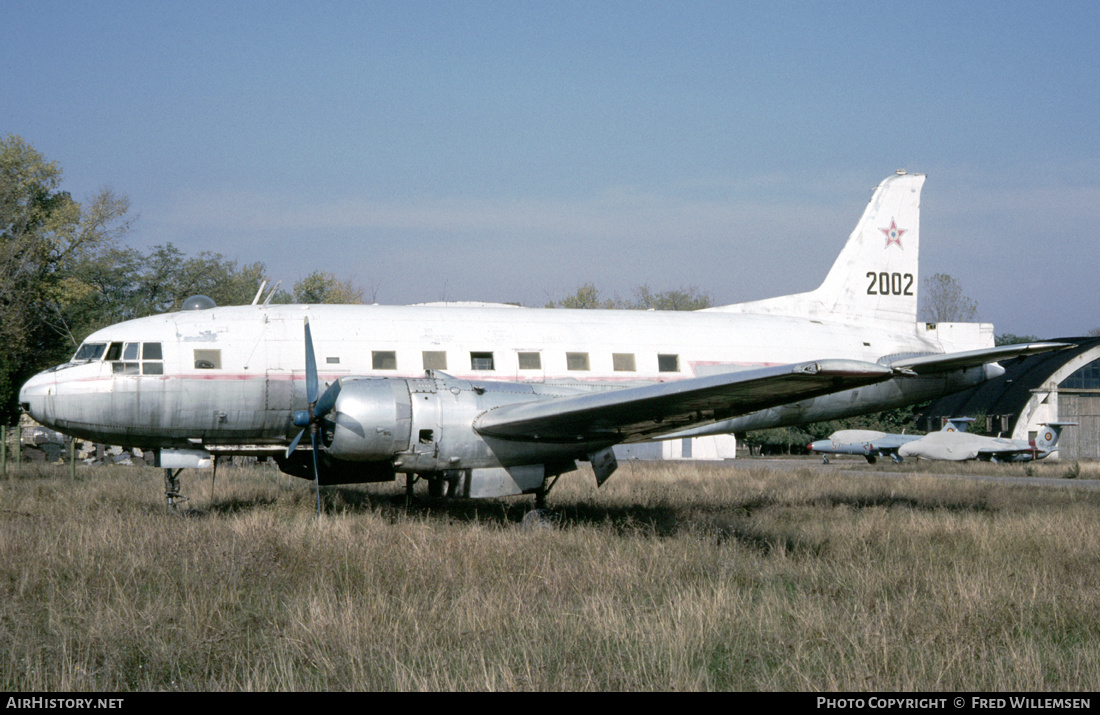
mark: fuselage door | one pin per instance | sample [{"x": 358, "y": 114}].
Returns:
[{"x": 427, "y": 422}]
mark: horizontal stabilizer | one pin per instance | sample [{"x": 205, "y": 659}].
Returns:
[
  {"x": 634, "y": 413},
  {"x": 932, "y": 364}
]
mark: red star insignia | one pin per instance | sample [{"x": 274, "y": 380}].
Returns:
[{"x": 893, "y": 234}]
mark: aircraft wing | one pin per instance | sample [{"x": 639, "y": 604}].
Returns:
[
  {"x": 932, "y": 364},
  {"x": 635, "y": 413}
]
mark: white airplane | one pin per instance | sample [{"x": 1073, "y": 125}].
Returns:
[
  {"x": 872, "y": 444},
  {"x": 492, "y": 400},
  {"x": 957, "y": 447}
]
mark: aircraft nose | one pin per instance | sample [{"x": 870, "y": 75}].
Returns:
[{"x": 33, "y": 394}]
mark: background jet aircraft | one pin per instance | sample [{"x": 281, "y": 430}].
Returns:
[
  {"x": 490, "y": 400},
  {"x": 957, "y": 446},
  {"x": 873, "y": 444}
]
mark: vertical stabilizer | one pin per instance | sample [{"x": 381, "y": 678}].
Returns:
[
  {"x": 1047, "y": 438},
  {"x": 875, "y": 277}
]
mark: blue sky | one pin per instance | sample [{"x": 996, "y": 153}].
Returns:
[{"x": 511, "y": 151}]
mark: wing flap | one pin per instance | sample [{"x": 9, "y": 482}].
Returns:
[
  {"x": 932, "y": 364},
  {"x": 635, "y": 413}
]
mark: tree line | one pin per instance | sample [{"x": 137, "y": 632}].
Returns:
[{"x": 65, "y": 273}]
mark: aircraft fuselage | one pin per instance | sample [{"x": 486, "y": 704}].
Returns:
[{"x": 234, "y": 375}]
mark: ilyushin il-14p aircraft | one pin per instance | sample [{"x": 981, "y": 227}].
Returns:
[
  {"x": 960, "y": 447},
  {"x": 486, "y": 400},
  {"x": 872, "y": 444}
]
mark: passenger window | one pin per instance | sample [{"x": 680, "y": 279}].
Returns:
[
  {"x": 623, "y": 362},
  {"x": 435, "y": 360},
  {"x": 481, "y": 361},
  {"x": 668, "y": 363},
  {"x": 384, "y": 360},
  {"x": 151, "y": 351},
  {"x": 576, "y": 361},
  {"x": 530, "y": 361},
  {"x": 208, "y": 359}
]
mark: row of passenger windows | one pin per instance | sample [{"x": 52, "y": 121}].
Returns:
[
  {"x": 479, "y": 361},
  {"x": 125, "y": 359}
]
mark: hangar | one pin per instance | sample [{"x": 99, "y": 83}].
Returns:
[{"x": 1060, "y": 386}]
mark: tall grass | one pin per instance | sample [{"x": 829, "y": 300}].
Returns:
[{"x": 670, "y": 577}]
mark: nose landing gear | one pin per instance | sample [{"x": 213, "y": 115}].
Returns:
[{"x": 172, "y": 495}]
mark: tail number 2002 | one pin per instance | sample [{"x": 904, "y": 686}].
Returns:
[{"x": 890, "y": 283}]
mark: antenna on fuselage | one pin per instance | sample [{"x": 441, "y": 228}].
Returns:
[
  {"x": 259, "y": 292},
  {"x": 271, "y": 295}
]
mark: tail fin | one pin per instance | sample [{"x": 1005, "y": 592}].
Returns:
[
  {"x": 956, "y": 424},
  {"x": 875, "y": 277},
  {"x": 1047, "y": 438}
]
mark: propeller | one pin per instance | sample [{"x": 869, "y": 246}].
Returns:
[{"x": 310, "y": 419}]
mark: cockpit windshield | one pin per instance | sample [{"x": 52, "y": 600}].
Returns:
[{"x": 90, "y": 351}]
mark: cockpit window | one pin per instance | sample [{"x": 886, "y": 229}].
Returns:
[
  {"x": 151, "y": 351},
  {"x": 114, "y": 352},
  {"x": 130, "y": 351},
  {"x": 90, "y": 351}
]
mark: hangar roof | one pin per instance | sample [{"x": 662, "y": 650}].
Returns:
[{"x": 1009, "y": 393}]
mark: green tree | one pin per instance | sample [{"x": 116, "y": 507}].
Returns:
[
  {"x": 321, "y": 287},
  {"x": 44, "y": 237},
  {"x": 123, "y": 283},
  {"x": 586, "y": 297}
]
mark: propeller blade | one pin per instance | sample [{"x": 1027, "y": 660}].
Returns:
[
  {"x": 316, "y": 470},
  {"x": 327, "y": 400},
  {"x": 311, "y": 368},
  {"x": 294, "y": 444},
  {"x": 349, "y": 423}
]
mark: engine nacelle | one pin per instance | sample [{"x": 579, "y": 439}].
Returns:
[{"x": 371, "y": 420}]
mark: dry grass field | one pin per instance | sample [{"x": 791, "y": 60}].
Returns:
[{"x": 671, "y": 577}]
